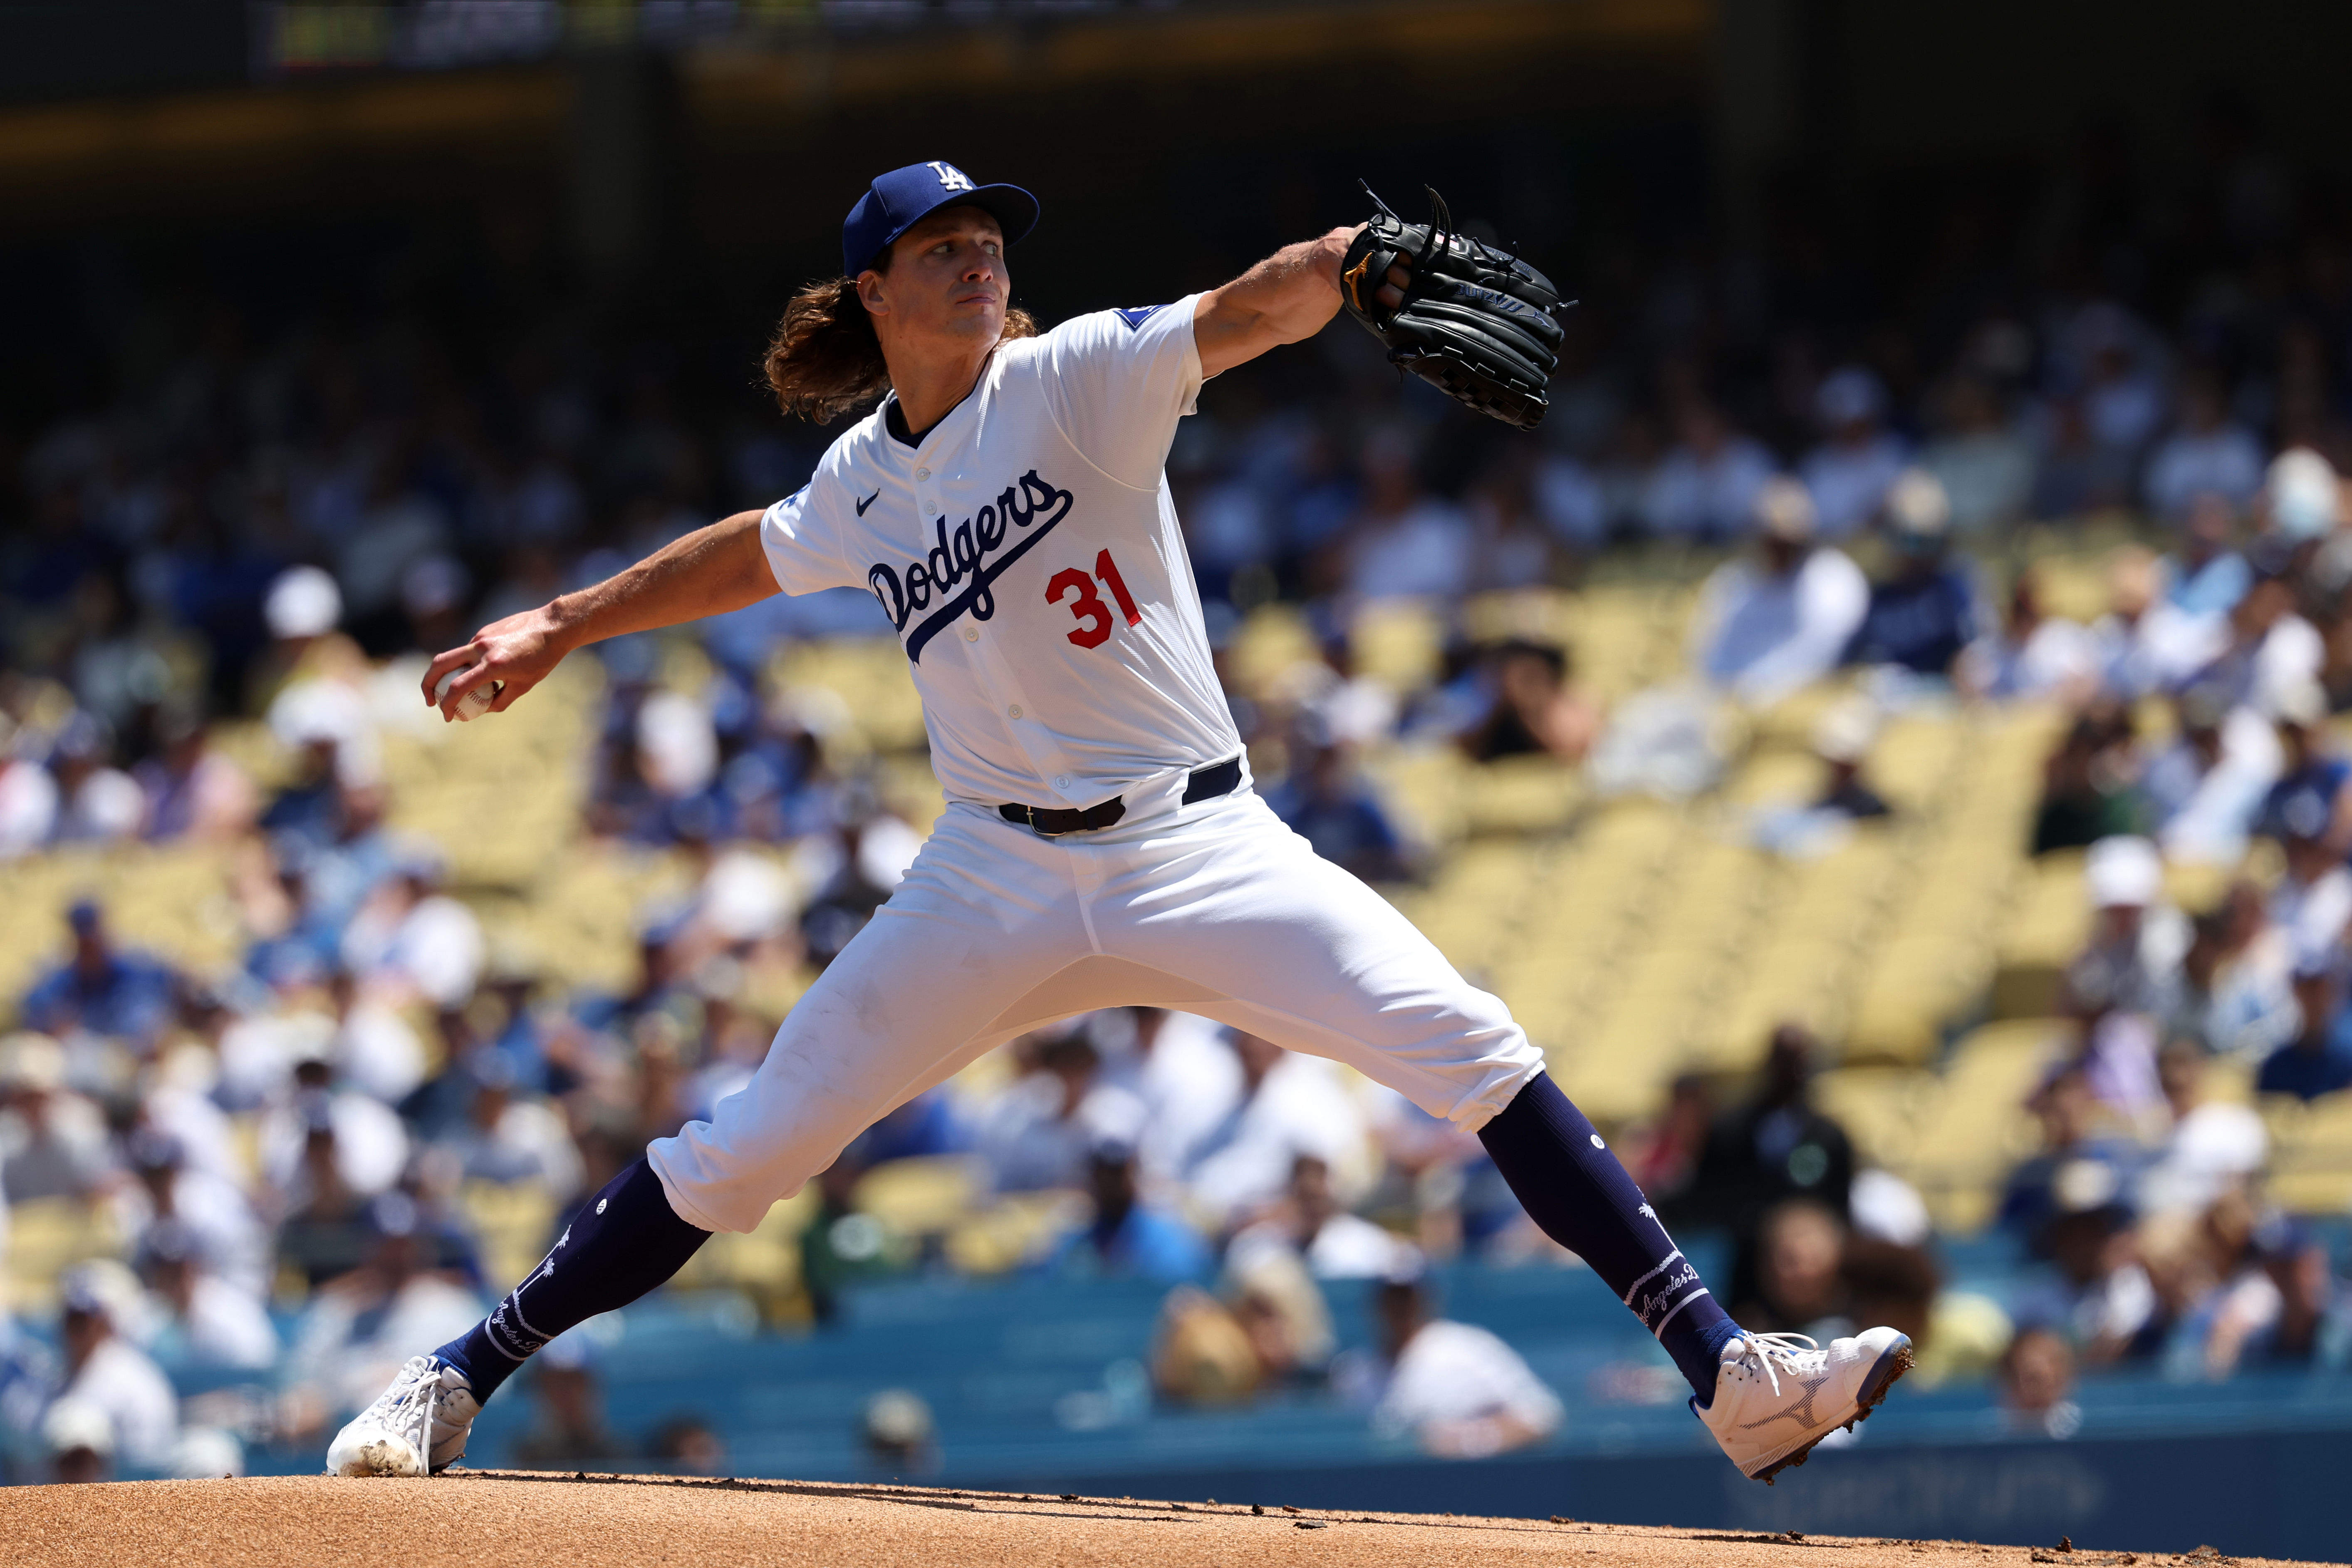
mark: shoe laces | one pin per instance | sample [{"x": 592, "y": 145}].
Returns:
[
  {"x": 417, "y": 1390},
  {"x": 1772, "y": 1351}
]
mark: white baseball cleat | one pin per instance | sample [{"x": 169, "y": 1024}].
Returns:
[
  {"x": 1776, "y": 1396},
  {"x": 416, "y": 1427}
]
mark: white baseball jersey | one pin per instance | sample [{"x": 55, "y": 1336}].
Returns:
[{"x": 1027, "y": 550}]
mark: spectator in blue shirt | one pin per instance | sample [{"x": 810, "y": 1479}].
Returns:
[
  {"x": 2205, "y": 576},
  {"x": 1925, "y": 613},
  {"x": 123, "y": 995},
  {"x": 2311, "y": 776},
  {"x": 1328, "y": 803},
  {"x": 1129, "y": 1237},
  {"x": 2318, "y": 1060}
]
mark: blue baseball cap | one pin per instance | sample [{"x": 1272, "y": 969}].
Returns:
[{"x": 898, "y": 200}]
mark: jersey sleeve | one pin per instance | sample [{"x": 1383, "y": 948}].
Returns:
[
  {"x": 803, "y": 542},
  {"x": 1117, "y": 381}
]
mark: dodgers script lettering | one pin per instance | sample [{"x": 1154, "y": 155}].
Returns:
[{"x": 962, "y": 564}]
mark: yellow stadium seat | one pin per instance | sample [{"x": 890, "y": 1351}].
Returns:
[
  {"x": 2311, "y": 1152},
  {"x": 1399, "y": 642},
  {"x": 763, "y": 1263},
  {"x": 2040, "y": 936},
  {"x": 1013, "y": 1230},
  {"x": 514, "y": 1222},
  {"x": 921, "y": 1197},
  {"x": 1792, "y": 979},
  {"x": 1976, "y": 1127},
  {"x": 1912, "y": 762},
  {"x": 1909, "y": 988},
  {"x": 1879, "y": 1106},
  {"x": 1519, "y": 795},
  {"x": 46, "y": 1236}
]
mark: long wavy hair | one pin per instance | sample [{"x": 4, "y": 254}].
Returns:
[{"x": 825, "y": 359}]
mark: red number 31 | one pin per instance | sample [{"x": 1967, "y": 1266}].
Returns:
[{"x": 1094, "y": 615}]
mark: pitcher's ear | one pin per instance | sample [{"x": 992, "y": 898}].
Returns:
[{"x": 869, "y": 292}]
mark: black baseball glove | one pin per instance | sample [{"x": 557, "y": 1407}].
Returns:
[{"x": 1473, "y": 322}]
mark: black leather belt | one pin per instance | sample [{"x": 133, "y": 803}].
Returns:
[{"x": 1206, "y": 783}]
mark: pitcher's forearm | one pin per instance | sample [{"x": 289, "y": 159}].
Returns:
[
  {"x": 1287, "y": 297},
  {"x": 710, "y": 571}
]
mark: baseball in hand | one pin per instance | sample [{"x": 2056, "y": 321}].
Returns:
[{"x": 475, "y": 703}]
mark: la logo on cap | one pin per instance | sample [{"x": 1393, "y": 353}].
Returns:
[{"x": 950, "y": 177}]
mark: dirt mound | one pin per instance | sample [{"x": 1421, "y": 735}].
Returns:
[{"x": 534, "y": 1521}]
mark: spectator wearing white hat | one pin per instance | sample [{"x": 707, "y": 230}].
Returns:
[
  {"x": 2302, "y": 498},
  {"x": 1456, "y": 1390},
  {"x": 52, "y": 1139},
  {"x": 2212, "y": 1146},
  {"x": 1841, "y": 738},
  {"x": 29, "y": 806},
  {"x": 79, "y": 1439},
  {"x": 2132, "y": 963},
  {"x": 1767, "y": 626},
  {"x": 303, "y": 603},
  {"x": 107, "y": 1372},
  {"x": 1926, "y": 610},
  {"x": 1849, "y": 473}
]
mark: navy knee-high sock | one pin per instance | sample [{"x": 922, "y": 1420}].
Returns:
[
  {"x": 1574, "y": 1189},
  {"x": 625, "y": 1241}
]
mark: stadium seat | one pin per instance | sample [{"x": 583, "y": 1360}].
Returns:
[
  {"x": 921, "y": 1197},
  {"x": 1975, "y": 1127},
  {"x": 47, "y": 1235},
  {"x": 2311, "y": 1152},
  {"x": 764, "y": 1264},
  {"x": 513, "y": 1221},
  {"x": 2041, "y": 935}
]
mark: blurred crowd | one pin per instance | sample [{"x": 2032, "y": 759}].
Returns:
[{"x": 288, "y": 505}]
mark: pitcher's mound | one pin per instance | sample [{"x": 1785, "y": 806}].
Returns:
[{"x": 537, "y": 1521}]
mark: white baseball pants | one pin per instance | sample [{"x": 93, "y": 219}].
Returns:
[{"x": 1214, "y": 908}]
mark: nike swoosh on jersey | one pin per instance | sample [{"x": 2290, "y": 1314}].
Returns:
[{"x": 869, "y": 500}]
